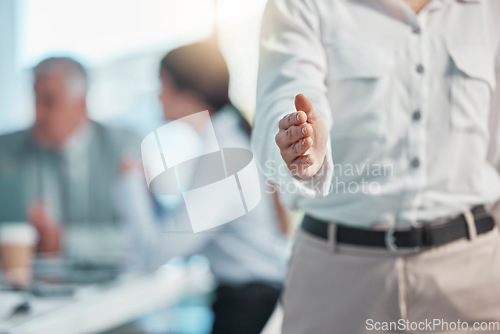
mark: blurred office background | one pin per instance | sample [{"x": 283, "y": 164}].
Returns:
[{"x": 120, "y": 42}]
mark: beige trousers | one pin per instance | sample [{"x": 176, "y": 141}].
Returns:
[{"x": 341, "y": 289}]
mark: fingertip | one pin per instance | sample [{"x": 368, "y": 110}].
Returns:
[
  {"x": 308, "y": 160},
  {"x": 301, "y": 116},
  {"x": 307, "y": 130},
  {"x": 303, "y": 160},
  {"x": 308, "y": 141},
  {"x": 299, "y": 96}
]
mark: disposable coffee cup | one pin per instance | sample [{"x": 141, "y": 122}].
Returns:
[{"x": 17, "y": 244}]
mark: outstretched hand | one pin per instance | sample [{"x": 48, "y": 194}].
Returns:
[{"x": 302, "y": 139}]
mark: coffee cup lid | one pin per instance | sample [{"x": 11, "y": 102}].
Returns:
[{"x": 18, "y": 233}]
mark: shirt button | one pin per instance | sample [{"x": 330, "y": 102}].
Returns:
[
  {"x": 416, "y": 30},
  {"x": 417, "y": 115},
  {"x": 415, "y": 163},
  {"x": 420, "y": 68}
]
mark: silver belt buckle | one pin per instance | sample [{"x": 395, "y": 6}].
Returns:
[{"x": 390, "y": 243}]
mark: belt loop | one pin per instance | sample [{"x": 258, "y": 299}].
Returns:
[
  {"x": 471, "y": 224},
  {"x": 332, "y": 237}
]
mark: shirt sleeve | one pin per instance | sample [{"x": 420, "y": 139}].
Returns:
[
  {"x": 494, "y": 125},
  {"x": 292, "y": 61}
]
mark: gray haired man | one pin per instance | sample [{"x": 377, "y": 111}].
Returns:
[{"x": 59, "y": 174}]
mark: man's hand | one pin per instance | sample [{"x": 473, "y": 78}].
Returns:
[
  {"x": 39, "y": 216},
  {"x": 302, "y": 139}
]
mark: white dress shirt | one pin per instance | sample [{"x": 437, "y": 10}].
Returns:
[{"x": 411, "y": 101}]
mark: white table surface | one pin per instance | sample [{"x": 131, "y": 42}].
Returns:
[{"x": 96, "y": 309}]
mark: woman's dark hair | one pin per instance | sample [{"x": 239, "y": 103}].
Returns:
[{"x": 201, "y": 69}]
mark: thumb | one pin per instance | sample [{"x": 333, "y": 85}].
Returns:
[{"x": 302, "y": 103}]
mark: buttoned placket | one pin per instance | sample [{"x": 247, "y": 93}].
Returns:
[{"x": 416, "y": 140}]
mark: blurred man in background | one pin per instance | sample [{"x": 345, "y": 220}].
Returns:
[
  {"x": 60, "y": 173},
  {"x": 400, "y": 232}
]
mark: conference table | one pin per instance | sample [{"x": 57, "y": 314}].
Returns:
[{"x": 97, "y": 308}]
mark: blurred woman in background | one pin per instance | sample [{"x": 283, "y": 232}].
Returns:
[{"x": 247, "y": 256}]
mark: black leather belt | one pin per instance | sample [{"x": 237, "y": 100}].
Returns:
[{"x": 414, "y": 238}]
